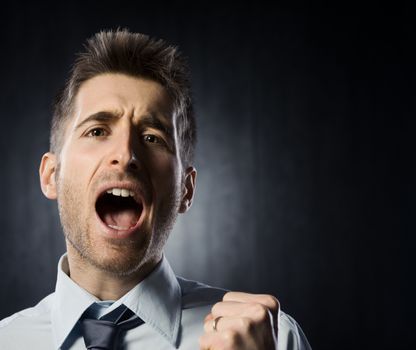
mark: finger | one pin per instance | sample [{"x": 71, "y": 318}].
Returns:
[
  {"x": 208, "y": 317},
  {"x": 269, "y": 301},
  {"x": 255, "y": 311},
  {"x": 243, "y": 325},
  {"x": 226, "y": 340},
  {"x": 209, "y": 342},
  {"x": 209, "y": 324},
  {"x": 265, "y": 299},
  {"x": 258, "y": 313}
]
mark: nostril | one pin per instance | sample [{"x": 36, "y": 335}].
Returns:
[
  {"x": 133, "y": 162},
  {"x": 133, "y": 166}
]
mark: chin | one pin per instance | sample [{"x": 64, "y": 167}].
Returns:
[
  {"x": 121, "y": 260},
  {"x": 118, "y": 264}
]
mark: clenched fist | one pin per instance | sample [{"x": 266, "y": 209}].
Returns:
[{"x": 242, "y": 321}]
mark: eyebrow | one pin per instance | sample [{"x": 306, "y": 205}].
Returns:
[
  {"x": 103, "y": 117},
  {"x": 149, "y": 120}
]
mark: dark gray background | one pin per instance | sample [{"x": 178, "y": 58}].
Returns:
[{"x": 306, "y": 182}]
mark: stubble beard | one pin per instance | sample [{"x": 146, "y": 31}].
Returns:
[{"x": 117, "y": 257}]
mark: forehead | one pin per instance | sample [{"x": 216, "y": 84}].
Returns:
[{"x": 123, "y": 94}]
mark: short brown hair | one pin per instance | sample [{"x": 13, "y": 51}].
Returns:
[{"x": 137, "y": 55}]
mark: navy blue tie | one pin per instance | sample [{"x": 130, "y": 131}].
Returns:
[{"x": 107, "y": 335}]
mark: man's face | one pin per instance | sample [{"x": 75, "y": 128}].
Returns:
[{"x": 119, "y": 179}]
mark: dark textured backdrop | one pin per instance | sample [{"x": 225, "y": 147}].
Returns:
[{"x": 306, "y": 182}]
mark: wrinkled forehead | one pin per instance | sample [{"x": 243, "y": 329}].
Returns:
[{"x": 120, "y": 94}]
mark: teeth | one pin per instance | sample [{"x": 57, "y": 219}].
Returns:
[
  {"x": 119, "y": 228},
  {"x": 120, "y": 192}
]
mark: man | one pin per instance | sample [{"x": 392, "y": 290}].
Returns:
[{"x": 120, "y": 168}]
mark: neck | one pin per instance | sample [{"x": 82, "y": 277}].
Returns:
[{"x": 103, "y": 284}]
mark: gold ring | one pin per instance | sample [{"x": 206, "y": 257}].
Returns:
[{"x": 214, "y": 324}]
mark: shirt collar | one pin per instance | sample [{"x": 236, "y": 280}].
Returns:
[{"x": 156, "y": 300}]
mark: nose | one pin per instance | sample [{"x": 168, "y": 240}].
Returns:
[
  {"x": 129, "y": 163},
  {"x": 125, "y": 152}
]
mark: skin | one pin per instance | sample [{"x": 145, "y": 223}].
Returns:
[
  {"x": 125, "y": 148},
  {"x": 245, "y": 321},
  {"x": 107, "y": 267}
]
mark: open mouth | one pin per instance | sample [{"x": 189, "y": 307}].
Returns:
[{"x": 119, "y": 209}]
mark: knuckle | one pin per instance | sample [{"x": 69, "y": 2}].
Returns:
[
  {"x": 273, "y": 302},
  {"x": 232, "y": 338},
  {"x": 227, "y": 296},
  {"x": 260, "y": 312},
  {"x": 216, "y": 307},
  {"x": 246, "y": 325}
]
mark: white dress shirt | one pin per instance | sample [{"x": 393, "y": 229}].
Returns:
[{"x": 172, "y": 308}]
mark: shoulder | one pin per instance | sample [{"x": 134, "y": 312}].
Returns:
[
  {"x": 291, "y": 336},
  {"x": 197, "y": 299},
  {"x": 28, "y": 322},
  {"x": 196, "y": 294},
  {"x": 40, "y": 309}
]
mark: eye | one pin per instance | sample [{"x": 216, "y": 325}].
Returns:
[
  {"x": 151, "y": 138},
  {"x": 97, "y": 132}
]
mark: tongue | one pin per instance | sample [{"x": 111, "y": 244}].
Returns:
[{"x": 122, "y": 220}]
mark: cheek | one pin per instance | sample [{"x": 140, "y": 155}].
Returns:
[
  {"x": 164, "y": 172},
  {"x": 77, "y": 163}
]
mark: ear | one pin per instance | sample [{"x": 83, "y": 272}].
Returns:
[
  {"x": 47, "y": 171},
  {"x": 188, "y": 189}
]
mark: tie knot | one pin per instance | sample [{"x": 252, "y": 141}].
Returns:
[
  {"x": 99, "y": 334},
  {"x": 106, "y": 335}
]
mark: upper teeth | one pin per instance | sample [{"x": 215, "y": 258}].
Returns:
[{"x": 120, "y": 192}]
